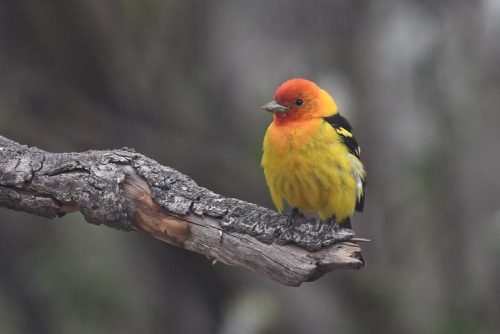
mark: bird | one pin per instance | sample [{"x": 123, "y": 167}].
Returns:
[{"x": 311, "y": 159}]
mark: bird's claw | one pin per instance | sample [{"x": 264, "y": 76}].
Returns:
[{"x": 292, "y": 218}]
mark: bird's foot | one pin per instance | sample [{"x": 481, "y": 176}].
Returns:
[
  {"x": 293, "y": 217},
  {"x": 344, "y": 224}
]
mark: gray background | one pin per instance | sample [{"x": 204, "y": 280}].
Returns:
[{"x": 183, "y": 82}]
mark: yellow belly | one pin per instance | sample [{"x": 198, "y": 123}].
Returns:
[{"x": 310, "y": 168}]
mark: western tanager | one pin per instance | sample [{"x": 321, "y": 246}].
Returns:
[{"x": 311, "y": 158}]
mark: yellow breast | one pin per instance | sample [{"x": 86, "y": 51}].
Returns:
[{"x": 307, "y": 165}]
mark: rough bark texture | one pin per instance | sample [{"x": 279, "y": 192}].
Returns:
[{"x": 128, "y": 191}]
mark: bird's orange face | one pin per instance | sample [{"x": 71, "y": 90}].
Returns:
[{"x": 295, "y": 100}]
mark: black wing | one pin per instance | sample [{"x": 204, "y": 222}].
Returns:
[{"x": 344, "y": 130}]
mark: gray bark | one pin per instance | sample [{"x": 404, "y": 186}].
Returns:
[{"x": 128, "y": 191}]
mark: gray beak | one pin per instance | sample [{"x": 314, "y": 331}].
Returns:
[{"x": 274, "y": 106}]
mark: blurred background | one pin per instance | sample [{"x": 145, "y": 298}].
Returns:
[{"x": 182, "y": 82}]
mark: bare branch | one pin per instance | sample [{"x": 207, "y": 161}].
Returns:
[{"x": 128, "y": 191}]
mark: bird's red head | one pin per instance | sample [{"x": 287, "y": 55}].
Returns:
[
  {"x": 296, "y": 100},
  {"x": 291, "y": 92}
]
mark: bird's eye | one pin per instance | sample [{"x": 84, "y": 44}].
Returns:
[{"x": 299, "y": 102}]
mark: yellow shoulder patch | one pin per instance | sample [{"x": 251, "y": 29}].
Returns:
[{"x": 343, "y": 132}]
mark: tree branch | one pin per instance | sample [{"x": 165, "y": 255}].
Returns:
[{"x": 128, "y": 191}]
